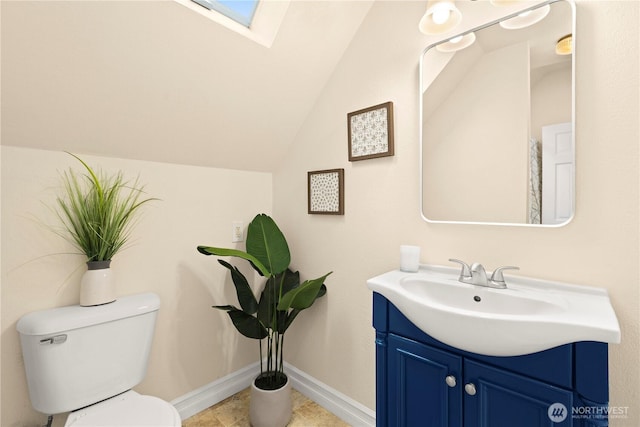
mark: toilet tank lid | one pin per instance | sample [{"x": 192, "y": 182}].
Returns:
[{"x": 61, "y": 319}]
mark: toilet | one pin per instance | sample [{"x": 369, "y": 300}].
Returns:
[{"x": 86, "y": 360}]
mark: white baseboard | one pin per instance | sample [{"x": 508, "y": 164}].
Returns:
[
  {"x": 208, "y": 395},
  {"x": 329, "y": 398}
]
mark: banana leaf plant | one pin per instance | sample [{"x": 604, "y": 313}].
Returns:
[{"x": 281, "y": 300}]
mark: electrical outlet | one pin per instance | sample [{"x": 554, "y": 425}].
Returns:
[{"x": 237, "y": 231}]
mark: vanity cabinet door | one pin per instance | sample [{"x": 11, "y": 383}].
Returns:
[
  {"x": 497, "y": 398},
  {"x": 424, "y": 385}
]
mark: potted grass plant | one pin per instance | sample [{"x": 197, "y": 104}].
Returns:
[
  {"x": 268, "y": 317},
  {"x": 97, "y": 212}
]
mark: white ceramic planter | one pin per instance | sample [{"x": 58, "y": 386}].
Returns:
[
  {"x": 97, "y": 285},
  {"x": 270, "y": 408}
]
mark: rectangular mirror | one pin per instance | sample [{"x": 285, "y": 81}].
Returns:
[{"x": 497, "y": 133}]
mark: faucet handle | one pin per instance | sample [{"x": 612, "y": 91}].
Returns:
[
  {"x": 466, "y": 270},
  {"x": 497, "y": 276}
]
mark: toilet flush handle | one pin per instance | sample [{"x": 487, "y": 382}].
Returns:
[{"x": 57, "y": 339}]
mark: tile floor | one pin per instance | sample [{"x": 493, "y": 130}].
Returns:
[{"x": 234, "y": 412}]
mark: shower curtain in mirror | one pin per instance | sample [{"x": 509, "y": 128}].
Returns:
[{"x": 535, "y": 181}]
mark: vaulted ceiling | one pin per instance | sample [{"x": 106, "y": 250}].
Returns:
[{"x": 153, "y": 80}]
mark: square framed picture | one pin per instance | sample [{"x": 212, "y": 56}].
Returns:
[
  {"x": 371, "y": 132},
  {"x": 325, "y": 191}
]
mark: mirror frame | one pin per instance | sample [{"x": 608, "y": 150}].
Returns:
[{"x": 572, "y": 5}]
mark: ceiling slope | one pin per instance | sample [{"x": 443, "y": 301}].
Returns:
[{"x": 152, "y": 80}]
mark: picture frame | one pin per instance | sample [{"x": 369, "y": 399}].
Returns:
[
  {"x": 370, "y": 132},
  {"x": 325, "y": 192}
]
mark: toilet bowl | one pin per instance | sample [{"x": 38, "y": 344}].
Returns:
[
  {"x": 86, "y": 360},
  {"x": 126, "y": 409}
]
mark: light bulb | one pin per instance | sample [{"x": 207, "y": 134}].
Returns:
[
  {"x": 456, "y": 39},
  {"x": 440, "y": 14}
]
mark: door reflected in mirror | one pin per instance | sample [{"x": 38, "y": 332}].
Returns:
[{"x": 497, "y": 129}]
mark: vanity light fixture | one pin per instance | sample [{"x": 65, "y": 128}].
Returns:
[
  {"x": 564, "y": 46},
  {"x": 456, "y": 43},
  {"x": 441, "y": 16},
  {"x": 526, "y": 18}
]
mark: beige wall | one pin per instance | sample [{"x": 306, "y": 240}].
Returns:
[
  {"x": 194, "y": 344},
  {"x": 599, "y": 247},
  {"x": 333, "y": 341}
]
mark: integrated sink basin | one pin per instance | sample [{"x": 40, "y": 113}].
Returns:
[
  {"x": 472, "y": 299},
  {"x": 530, "y": 315}
]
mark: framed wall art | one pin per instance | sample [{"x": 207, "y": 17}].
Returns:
[
  {"x": 326, "y": 192},
  {"x": 371, "y": 132}
]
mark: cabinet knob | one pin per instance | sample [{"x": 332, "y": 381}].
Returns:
[
  {"x": 450, "y": 380},
  {"x": 470, "y": 389}
]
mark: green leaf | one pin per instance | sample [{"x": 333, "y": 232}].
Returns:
[
  {"x": 273, "y": 290},
  {"x": 268, "y": 301},
  {"x": 288, "y": 280},
  {"x": 322, "y": 292},
  {"x": 281, "y": 321},
  {"x": 291, "y": 281},
  {"x": 266, "y": 242},
  {"x": 247, "y": 325},
  {"x": 210, "y": 250},
  {"x": 98, "y": 210},
  {"x": 304, "y": 295},
  {"x": 225, "y": 307},
  {"x": 93, "y": 177},
  {"x": 244, "y": 292}
]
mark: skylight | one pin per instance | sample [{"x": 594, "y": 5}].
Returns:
[
  {"x": 241, "y": 11},
  {"x": 257, "y": 22}
]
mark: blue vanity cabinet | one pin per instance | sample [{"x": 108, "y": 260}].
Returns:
[
  {"x": 418, "y": 394},
  {"x": 505, "y": 399},
  {"x": 421, "y": 382}
]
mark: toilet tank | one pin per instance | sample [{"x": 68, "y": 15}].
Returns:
[{"x": 75, "y": 356}]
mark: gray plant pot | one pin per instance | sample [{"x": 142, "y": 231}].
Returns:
[{"x": 270, "y": 408}]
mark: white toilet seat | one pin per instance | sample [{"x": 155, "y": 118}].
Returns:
[{"x": 128, "y": 409}]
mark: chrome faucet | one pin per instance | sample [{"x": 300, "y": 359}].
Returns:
[{"x": 476, "y": 275}]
